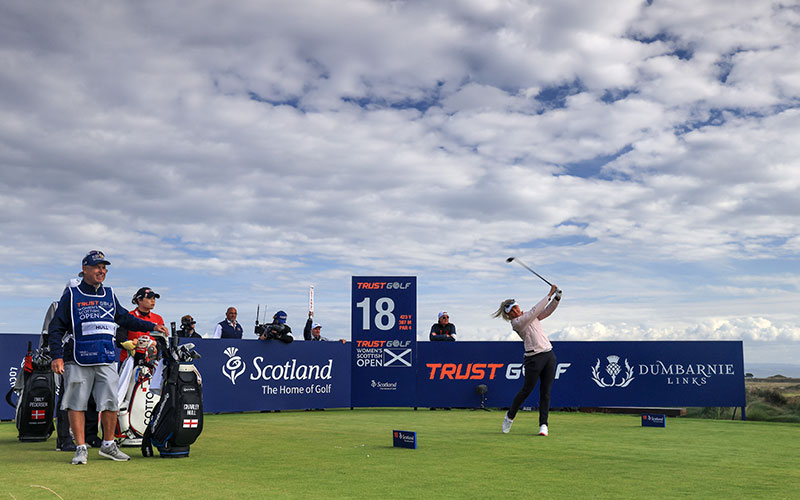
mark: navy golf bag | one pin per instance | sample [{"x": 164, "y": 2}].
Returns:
[
  {"x": 36, "y": 397},
  {"x": 177, "y": 419}
]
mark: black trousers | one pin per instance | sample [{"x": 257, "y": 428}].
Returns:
[{"x": 539, "y": 366}]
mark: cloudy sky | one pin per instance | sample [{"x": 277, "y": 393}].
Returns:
[{"x": 641, "y": 155}]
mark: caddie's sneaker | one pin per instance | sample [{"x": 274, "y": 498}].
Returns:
[
  {"x": 113, "y": 452},
  {"x": 80, "y": 456},
  {"x": 543, "y": 430},
  {"x": 506, "y": 424}
]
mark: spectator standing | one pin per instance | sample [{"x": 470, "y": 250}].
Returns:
[
  {"x": 443, "y": 330},
  {"x": 229, "y": 328},
  {"x": 313, "y": 332}
]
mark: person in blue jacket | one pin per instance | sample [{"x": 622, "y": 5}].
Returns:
[
  {"x": 82, "y": 345},
  {"x": 229, "y": 328},
  {"x": 443, "y": 330}
]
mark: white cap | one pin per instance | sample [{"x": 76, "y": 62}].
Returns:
[{"x": 316, "y": 325}]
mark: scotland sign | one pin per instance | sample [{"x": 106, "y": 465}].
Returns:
[{"x": 242, "y": 375}]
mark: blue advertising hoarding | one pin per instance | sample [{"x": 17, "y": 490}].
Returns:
[
  {"x": 246, "y": 375},
  {"x": 384, "y": 340},
  {"x": 636, "y": 374},
  {"x": 242, "y": 375},
  {"x": 12, "y": 349},
  {"x": 251, "y": 375}
]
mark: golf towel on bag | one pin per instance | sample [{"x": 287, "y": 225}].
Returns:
[
  {"x": 136, "y": 402},
  {"x": 178, "y": 417}
]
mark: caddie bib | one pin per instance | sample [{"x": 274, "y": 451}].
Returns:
[{"x": 93, "y": 326}]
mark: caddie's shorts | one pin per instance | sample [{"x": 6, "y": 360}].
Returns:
[{"x": 101, "y": 381}]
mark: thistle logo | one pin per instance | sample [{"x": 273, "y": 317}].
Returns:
[
  {"x": 234, "y": 366},
  {"x": 613, "y": 369}
]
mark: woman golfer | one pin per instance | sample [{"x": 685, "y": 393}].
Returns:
[{"x": 540, "y": 362}]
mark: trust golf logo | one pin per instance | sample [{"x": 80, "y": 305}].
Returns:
[
  {"x": 234, "y": 366},
  {"x": 613, "y": 369}
]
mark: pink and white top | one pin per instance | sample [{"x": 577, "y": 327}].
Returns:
[{"x": 529, "y": 327}]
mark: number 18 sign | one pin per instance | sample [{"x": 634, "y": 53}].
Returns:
[{"x": 384, "y": 333}]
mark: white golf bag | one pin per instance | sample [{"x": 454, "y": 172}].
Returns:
[{"x": 135, "y": 397}]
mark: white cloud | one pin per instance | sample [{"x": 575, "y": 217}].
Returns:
[{"x": 643, "y": 154}]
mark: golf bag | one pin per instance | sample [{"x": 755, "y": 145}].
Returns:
[
  {"x": 177, "y": 419},
  {"x": 136, "y": 400},
  {"x": 36, "y": 397}
]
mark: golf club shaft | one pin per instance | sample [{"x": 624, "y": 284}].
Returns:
[{"x": 531, "y": 270}]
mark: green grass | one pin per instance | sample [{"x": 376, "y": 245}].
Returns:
[
  {"x": 772, "y": 401},
  {"x": 462, "y": 454}
]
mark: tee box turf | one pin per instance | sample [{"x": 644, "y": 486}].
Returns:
[
  {"x": 654, "y": 420},
  {"x": 405, "y": 439}
]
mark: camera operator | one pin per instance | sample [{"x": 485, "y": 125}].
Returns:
[
  {"x": 278, "y": 329},
  {"x": 187, "y": 327}
]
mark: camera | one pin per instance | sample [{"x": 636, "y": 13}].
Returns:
[{"x": 277, "y": 331}]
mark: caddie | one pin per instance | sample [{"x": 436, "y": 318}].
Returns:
[{"x": 82, "y": 346}]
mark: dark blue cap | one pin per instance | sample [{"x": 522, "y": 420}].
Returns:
[
  {"x": 95, "y": 257},
  {"x": 280, "y": 317}
]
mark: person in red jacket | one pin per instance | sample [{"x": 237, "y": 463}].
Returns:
[{"x": 145, "y": 301}]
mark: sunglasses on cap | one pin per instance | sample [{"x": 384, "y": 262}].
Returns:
[{"x": 145, "y": 293}]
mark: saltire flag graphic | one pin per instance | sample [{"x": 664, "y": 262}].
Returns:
[{"x": 190, "y": 423}]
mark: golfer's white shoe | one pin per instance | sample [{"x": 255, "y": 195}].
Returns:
[
  {"x": 543, "y": 430},
  {"x": 507, "y": 424}
]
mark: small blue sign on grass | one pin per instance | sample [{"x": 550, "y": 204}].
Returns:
[
  {"x": 405, "y": 439},
  {"x": 654, "y": 420}
]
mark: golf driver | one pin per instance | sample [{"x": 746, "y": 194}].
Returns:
[{"x": 514, "y": 259}]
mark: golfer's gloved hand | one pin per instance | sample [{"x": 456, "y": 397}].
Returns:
[{"x": 558, "y": 294}]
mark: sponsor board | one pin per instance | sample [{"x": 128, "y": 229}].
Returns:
[
  {"x": 692, "y": 373},
  {"x": 654, "y": 420},
  {"x": 384, "y": 333},
  {"x": 404, "y": 439},
  {"x": 252, "y": 375},
  {"x": 242, "y": 375}
]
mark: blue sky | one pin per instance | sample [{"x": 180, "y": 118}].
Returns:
[{"x": 641, "y": 155}]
